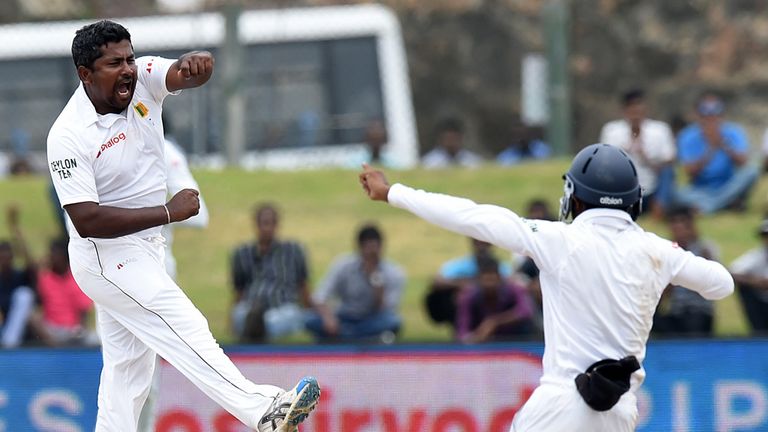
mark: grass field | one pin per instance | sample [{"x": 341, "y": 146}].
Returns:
[{"x": 323, "y": 209}]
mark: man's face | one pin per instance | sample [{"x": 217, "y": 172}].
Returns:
[
  {"x": 370, "y": 250},
  {"x": 111, "y": 81},
  {"x": 635, "y": 112},
  {"x": 489, "y": 281},
  {"x": 682, "y": 230},
  {"x": 451, "y": 141},
  {"x": 266, "y": 225}
]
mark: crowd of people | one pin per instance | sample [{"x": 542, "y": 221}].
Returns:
[{"x": 481, "y": 296}]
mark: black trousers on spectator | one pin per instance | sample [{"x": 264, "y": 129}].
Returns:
[{"x": 755, "y": 306}]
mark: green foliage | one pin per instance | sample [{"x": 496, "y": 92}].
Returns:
[{"x": 323, "y": 209}]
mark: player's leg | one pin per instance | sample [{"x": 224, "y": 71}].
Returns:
[
  {"x": 144, "y": 299},
  {"x": 125, "y": 377},
  {"x": 149, "y": 410}
]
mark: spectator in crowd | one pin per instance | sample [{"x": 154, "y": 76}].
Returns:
[
  {"x": 750, "y": 272},
  {"x": 493, "y": 308},
  {"x": 17, "y": 295},
  {"x": 441, "y": 299},
  {"x": 376, "y": 150},
  {"x": 65, "y": 307},
  {"x": 715, "y": 155},
  {"x": 682, "y": 311},
  {"x": 367, "y": 288},
  {"x": 449, "y": 147},
  {"x": 270, "y": 277},
  {"x": 530, "y": 146},
  {"x": 651, "y": 146}
]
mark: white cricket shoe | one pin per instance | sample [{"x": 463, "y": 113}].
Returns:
[{"x": 291, "y": 407}]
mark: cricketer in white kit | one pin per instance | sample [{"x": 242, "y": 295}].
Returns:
[
  {"x": 601, "y": 278},
  {"x": 105, "y": 153}
]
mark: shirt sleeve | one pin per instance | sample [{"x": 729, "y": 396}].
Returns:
[
  {"x": 71, "y": 170},
  {"x": 736, "y": 138},
  {"x": 330, "y": 283},
  {"x": 747, "y": 263},
  {"x": 240, "y": 278},
  {"x": 688, "y": 151},
  {"x": 180, "y": 177},
  {"x": 152, "y": 74},
  {"x": 489, "y": 223},
  {"x": 708, "y": 278},
  {"x": 394, "y": 289}
]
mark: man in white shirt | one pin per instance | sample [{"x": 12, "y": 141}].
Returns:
[
  {"x": 601, "y": 278},
  {"x": 449, "y": 148},
  {"x": 651, "y": 146},
  {"x": 105, "y": 153},
  {"x": 750, "y": 271}
]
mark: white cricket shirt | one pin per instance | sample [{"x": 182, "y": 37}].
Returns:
[
  {"x": 656, "y": 141},
  {"x": 601, "y": 276},
  {"x": 114, "y": 159}
]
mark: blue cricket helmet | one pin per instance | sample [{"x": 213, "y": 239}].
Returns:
[{"x": 602, "y": 175}]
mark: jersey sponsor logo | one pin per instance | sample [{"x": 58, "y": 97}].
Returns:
[
  {"x": 63, "y": 167},
  {"x": 111, "y": 142},
  {"x": 141, "y": 109},
  {"x": 124, "y": 263},
  {"x": 149, "y": 67},
  {"x": 611, "y": 200}
]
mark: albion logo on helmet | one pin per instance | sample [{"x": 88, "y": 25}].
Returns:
[{"x": 611, "y": 200}]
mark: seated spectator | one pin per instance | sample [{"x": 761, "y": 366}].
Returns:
[
  {"x": 715, "y": 154},
  {"x": 367, "y": 289},
  {"x": 17, "y": 296},
  {"x": 750, "y": 272},
  {"x": 376, "y": 151},
  {"x": 65, "y": 307},
  {"x": 682, "y": 311},
  {"x": 270, "y": 278},
  {"x": 651, "y": 146},
  {"x": 530, "y": 147},
  {"x": 454, "y": 274},
  {"x": 449, "y": 148},
  {"x": 493, "y": 308}
]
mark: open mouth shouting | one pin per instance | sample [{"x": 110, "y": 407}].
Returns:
[{"x": 124, "y": 90}]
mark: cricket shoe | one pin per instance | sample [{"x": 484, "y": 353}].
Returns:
[{"x": 291, "y": 407}]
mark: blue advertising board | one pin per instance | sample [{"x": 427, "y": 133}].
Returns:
[{"x": 698, "y": 385}]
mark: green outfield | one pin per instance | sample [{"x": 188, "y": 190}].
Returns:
[{"x": 323, "y": 209}]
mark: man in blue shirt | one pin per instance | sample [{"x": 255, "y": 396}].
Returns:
[{"x": 715, "y": 155}]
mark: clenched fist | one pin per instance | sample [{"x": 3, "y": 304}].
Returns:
[{"x": 184, "y": 205}]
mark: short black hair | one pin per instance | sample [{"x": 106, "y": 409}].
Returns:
[
  {"x": 680, "y": 212},
  {"x": 368, "y": 232},
  {"x": 632, "y": 96},
  {"x": 450, "y": 124},
  {"x": 86, "y": 46}
]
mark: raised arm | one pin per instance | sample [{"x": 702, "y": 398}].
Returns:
[
  {"x": 94, "y": 220},
  {"x": 192, "y": 69},
  {"x": 489, "y": 223}
]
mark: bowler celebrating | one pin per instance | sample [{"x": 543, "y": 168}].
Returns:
[
  {"x": 601, "y": 279},
  {"x": 105, "y": 152}
]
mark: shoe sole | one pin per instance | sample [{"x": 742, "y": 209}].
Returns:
[{"x": 306, "y": 401}]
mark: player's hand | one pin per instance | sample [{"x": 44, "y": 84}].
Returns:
[
  {"x": 374, "y": 183},
  {"x": 184, "y": 205},
  {"x": 195, "y": 63}
]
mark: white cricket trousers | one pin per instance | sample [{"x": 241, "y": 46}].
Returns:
[
  {"x": 141, "y": 311},
  {"x": 560, "y": 408}
]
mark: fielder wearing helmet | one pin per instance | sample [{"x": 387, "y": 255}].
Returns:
[{"x": 601, "y": 176}]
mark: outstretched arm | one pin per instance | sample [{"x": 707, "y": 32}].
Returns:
[{"x": 489, "y": 223}]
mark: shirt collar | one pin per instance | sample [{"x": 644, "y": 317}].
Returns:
[
  {"x": 85, "y": 109},
  {"x": 602, "y": 213}
]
